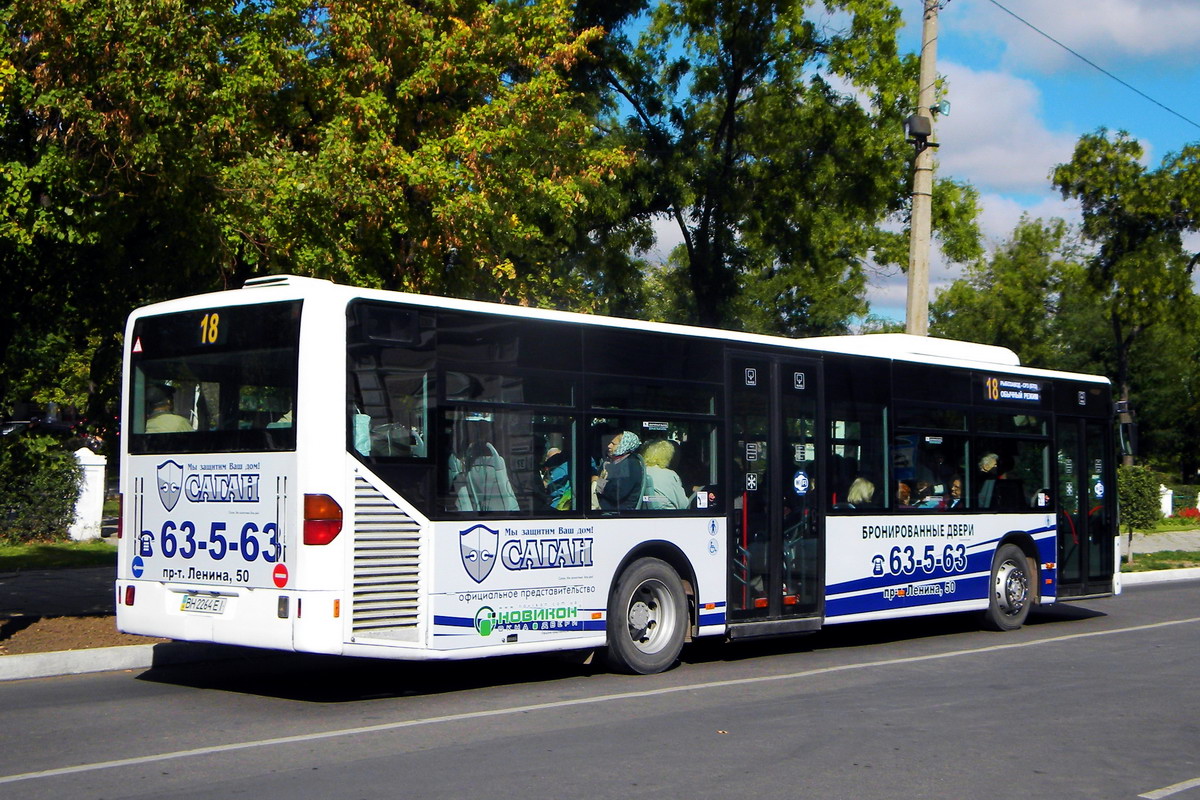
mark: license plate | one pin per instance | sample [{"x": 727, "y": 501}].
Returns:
[{"x": 203, "y": 604}]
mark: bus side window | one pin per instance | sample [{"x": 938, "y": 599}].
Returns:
[
  {"x": 477, "y": 474},
  {"x": 676, "y": 465},
  {"x": 926, "y": 466},
  {"x": 857, "y": 398},
  {"x": 390, "y": 382},
  {"x": 1012, "y": 474},
  {"x": 506, "y": 461},
  {"x": 555, "y": 489}
]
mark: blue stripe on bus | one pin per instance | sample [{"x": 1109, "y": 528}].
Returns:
[
  {"x": 908, "y": 595},
  {"x": 978, "y": 560}
]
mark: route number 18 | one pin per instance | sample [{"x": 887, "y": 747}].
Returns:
[{"x": 210, "y": 328}]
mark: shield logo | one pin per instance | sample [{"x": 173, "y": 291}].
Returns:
[
  {"x": 477, "y": 545},
  {"x": 170, "y": 483}
]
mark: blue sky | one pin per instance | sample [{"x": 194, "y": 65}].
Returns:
[{"x": 1020, "y": 102}]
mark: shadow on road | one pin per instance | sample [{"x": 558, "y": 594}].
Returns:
[
  {"x": 867, "y": 634},
  {"x": 338, "y": 679}
]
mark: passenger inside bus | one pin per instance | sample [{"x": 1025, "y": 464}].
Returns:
[
  {"x": 619, "y": 484},
  {"x": 955, "y": 499},
  {"x": 664, "y": 490},
  {"x": 162, "y": 417},
  {"x": 861, "y": 494},
  {"x": 556, "y": 479},
  {"x": 926, "y": 495},
  {"x": 934, "y": 470},
  {"x": 989, "y": 471},
  {"x": 695, "y": 472}
]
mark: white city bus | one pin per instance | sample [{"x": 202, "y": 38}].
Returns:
[{"x": 326, "y": 469}]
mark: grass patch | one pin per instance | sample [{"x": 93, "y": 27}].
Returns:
[
  {"x": 1173, "y": 524},
  {"x": 58, "y": 555},
  {"x": 1166, "y": 559}
]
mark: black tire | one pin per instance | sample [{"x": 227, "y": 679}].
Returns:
[
  {"x": 647, "y": 618},
  {"x": 1010, "y": 590}
]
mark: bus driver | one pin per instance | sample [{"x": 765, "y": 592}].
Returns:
[{"x": 162, "y": 417}]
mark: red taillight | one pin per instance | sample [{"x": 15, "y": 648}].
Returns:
[
  {"x": 120, "y": 515},
  {"x": 129, "y": 595},
  {"x": 322, "y": 519}
]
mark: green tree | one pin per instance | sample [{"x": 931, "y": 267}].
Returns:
[
  {"x": 153, "y": 148},
  {"x": 1029, "y": 295},
  {"x": 1033, "y": 296},
  {"x": 116, "y": 127},
  {"x": 1165, "y": 387},
  {"x": 772, "y": 137},
  {"x": 1136, "y": 217},
  {"x": 7, "y": 73},
  {"x": 1137, "y": 498},
  {"x": 445, "y": 150}
]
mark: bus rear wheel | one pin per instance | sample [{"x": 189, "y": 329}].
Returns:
[
  {"x": 647, "y": 618},
  {"x": 1009, "y": 594}
]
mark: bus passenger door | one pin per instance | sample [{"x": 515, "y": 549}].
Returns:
[
  {"x": 775, "y": 528},
  {"x": 1085, "y": 505}
]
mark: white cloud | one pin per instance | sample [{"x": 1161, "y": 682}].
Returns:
[
  {"x": 1109, "y": 32},
  {"x": 888, "y": 289},
  {"x": 997, "y": 137},
  {"x": 994, "y": 136},
  {"x": 1000, "y": 214}
]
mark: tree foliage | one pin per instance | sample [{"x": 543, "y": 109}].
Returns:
[
  {"x": 527, "y": 152},
  {"x": 1136, "y": 217},
  {"x": 39, "y": 484},
  {"x": 442, "y": 149},
  {"x": 1033, "y": 295},
  {"x": 115, "y": 131},
  {"x": 1029, "y": 295},
  {"x": 771, "y": 135},
  {"x": 1137, "y": 498},
  {"x": 1165, "y": 389},
  {"x": 156, "y": 148}
]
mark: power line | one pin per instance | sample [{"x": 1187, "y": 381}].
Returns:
[{"x": 1093, "y": 64}]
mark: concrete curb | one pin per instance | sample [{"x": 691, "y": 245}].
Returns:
[
  {"x": 107, "y": 659},
  {"x": 75, "y": 662},
  {"x": 1160, "y": 576},
  {"x": 145, "y": 656}
]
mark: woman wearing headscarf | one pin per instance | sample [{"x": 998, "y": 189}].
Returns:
[{"x": 619, "y": 485}]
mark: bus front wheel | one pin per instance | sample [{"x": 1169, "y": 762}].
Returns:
[
  {"x": 1009, "y": 594},
  {"x": 647, "y": 618}
]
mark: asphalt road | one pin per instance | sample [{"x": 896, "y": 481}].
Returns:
[{"x": 1099, "y": 699}]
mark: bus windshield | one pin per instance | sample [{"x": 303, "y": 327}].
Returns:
[{"x": 215, "y": 380}]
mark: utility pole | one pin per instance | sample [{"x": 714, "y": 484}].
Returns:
[{"x": 921, "y": 127}]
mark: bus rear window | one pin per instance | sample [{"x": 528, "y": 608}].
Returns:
[{"x": 213, "y": 381}]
